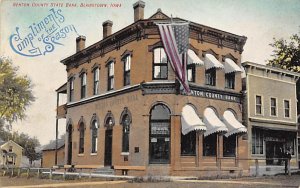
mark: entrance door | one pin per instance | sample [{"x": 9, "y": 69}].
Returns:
[
  {"x": 69, "y": 162},
  {"x": 108, "y": 147},
  {"x": 274, "y": 150}
]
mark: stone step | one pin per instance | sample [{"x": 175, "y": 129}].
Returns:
[{"x": 104, "y": 170}]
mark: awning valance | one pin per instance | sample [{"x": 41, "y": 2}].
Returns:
[
  {"x": 211, "y": 61},
  {"x": 194, "y": 59},
  {"x": 233, "y": 125},
  {"x": 231, "y": 66},
  {"x": 212, "y": 122},
  {"x": 190, "y": 121}
]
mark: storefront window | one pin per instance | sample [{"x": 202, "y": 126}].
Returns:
[
  {"x": 126, "y": 130},
  {"x": 188, "y": 143},
  {"x": 81, "y": 138},
  {"x": 257, "y": 141},
  {"x": 159, "y": 134},
  {"x": 229, "y": 146},
  {"x": 210, "y": 145}
]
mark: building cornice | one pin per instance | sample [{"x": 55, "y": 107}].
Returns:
[{"x": 142, "y": 29}]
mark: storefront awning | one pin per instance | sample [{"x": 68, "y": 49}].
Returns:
[
  {"x": 190, "y": 121},
  {"x": 233, "y": 125},
  {"x": 212, "y": 122},
  {"x": 211, "y": 62},
  {"x": 194, "y": 59},
  {"x": 231, "y": 66}
]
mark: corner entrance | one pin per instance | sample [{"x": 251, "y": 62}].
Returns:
[{"x": 108, "y": 147}]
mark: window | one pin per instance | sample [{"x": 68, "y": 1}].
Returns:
[
  {"x": 229, "y": 146},
  {"x": 286, "y": 108},
  {"x": 188, "y": 144},
  {"x": 81, "y": 138},
  {"x": 71, "y": 89},
  {"x": 191, "y": 68},
  {"x": 159, "y": 134},
  {"x": 126, "y": 130},
  {"x": 257, "y": 141},
  {"x": 110, "y": 81},
  {"x": 160, "y": 64},
  {"x": 94, "y": 136},
  {"x": 229, "y": 80},
  {"x": 258, "y": 105},
  {"x": 83, "y": 85},
  {"x": 127, "y": 65},
  {"x": 273, "y": 107},
  {"x": 96, "y": 81},
  {"x": 210, "y": 77},
  {"x": 10, "y": 149},
  {"x": 210, "y": 145}
]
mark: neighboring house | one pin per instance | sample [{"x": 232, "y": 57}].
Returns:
[
  {"x": 11, "y": 154},
  {"x": 271, "y": 113},
  {"x": 48, "y": 154},
  {"x": 124, "y": 109}
]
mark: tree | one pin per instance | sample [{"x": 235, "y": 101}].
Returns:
[
  {"x": 286, "y": 54},
  {"x": 15, "y": 92}
]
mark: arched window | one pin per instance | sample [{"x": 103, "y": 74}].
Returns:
[
  {"x": 81, "y": 137},
  {"x": 96, "y": 81},
  {"x": 159, "y": 134},
  {"x": 160, "y": 64},
  {"x": 126, "y": 129},
  {"x": 94, "y": 136},
  {"x": 83, "y": 85}
]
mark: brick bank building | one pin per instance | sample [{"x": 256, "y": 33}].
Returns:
[{"x": 125, "y": 110}]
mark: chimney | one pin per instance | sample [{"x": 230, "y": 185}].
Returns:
[
  {"x": 107, "y": 28},
  {"x": 138, "y": 8},
  {"x": 80, "y": 43}
]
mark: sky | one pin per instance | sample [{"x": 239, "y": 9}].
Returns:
[{"x": 259, "y": 20}]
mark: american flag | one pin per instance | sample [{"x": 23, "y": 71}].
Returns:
[{"x": 175, "y": 38}]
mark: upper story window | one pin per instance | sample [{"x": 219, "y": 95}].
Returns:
[
  {"x": 273, "y": 107},
  {"x": 258, "y": 105},
  {"x": 10, "y": 149},
  {"x": 230, "y": 80},
  {"x": 160, "y": 64},
  {"x": 83, "y": 85},
  {"x": 210, "y": 77},
  {"x": 191, "y": 68},
  {"x": 111, "y": 76},
  {"x": 286, "y": 108},
  {"x": 96, "y": 81},
  {"x": 127, "y": 66},
  {"x": 71, "y": 89}
]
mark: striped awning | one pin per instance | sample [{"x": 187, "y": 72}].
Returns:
[
  {"x": 194, "y": 59},
  {"x": 212, "y": 122},
  {"x": 211, "y": 61},
  {"x": 190, "y": 121},
  {"x": 231, "y": 66},
  {"x": 233, "y": 125}
]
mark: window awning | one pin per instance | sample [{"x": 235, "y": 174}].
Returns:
[
  {"x": 194, "y": 59},
  {"x": 190, "y": 121},
  {"x": 233, "y": 125},
  {"x": 211, "y": 61},
  {"x": 231, "y": 66},
  {"x": 212, "y": 122}
]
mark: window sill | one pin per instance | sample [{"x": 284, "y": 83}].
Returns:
[
  {"x": 93, "y": 154},
  {"x": 80, "y": 155},
  {"x": 125, "y": 153}
]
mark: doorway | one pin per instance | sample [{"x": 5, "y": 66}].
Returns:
[
  {"x": 108, "y": 147},
  {"x": 274, "y": 150},
  {"x": 69, "y": 160}
]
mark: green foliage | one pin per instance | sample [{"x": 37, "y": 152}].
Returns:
[
  {"x": 15, "y": 92},
  {"x": 286, "y": 54}
]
